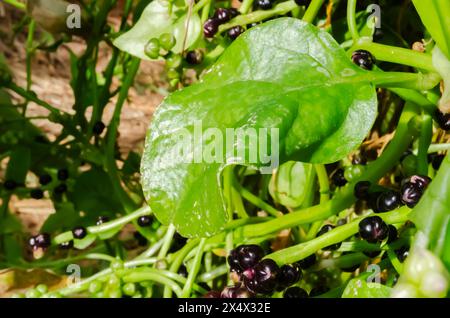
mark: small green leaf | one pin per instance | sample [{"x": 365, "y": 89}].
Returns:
[
  {"x": 18, "y": 165},
  {"x": 289, "y": 184},
  {"x": 305, "y": 96},
  {"x": 156, "y": 20},
  {"x": 359, "y": 288},
  {"x": 63, "y": 219}
]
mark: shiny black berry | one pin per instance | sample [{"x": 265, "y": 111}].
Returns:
[
  {"x": 79, "y": 232},
  {"x": 361, "y": 190},
  {"x": 363, "y": 59},
  {"x": 307, "y": 262},
  {"x": 402, "y": 253},
  {"x": 443, "y": 120},
  {"x": 303, "y": 2},
  {"x": 63, "y": 174},
  {"x": 194, "y": 57},
  {"x": 144, "y": 221},
  {"x": 10, "y": 184},
  {"x": 37, "y": 194},
  {"x": 421, "y": 181},
  {"x": 42, "y": 240},
  {"x": 98, "y": 128},
  {"x": 222, "y": 15},
  {"x": 264, "y": 4},
  {"x": 326, "y": 228},
  {"x": 182, "y": 271},
  {"x": 388, "y": 201},
  {"x": 338, "y": 178},
  {"x": 372, "y": 200},
  {"x": 392, "y": 234},
  {"x": 234, "y": 32},
  {"x": 317, "y": 291},
  {"x": 102, "y": 219},
  {"x": 233, "y": 261},
  {"x": 212, "y": 294},
  {"x": 289, "y": 275},
  {"x": 32, "y": 241},
  {"x": 265, "y": 278},
  {"x": 373, "y": 229},
  {"x": 410, "y": 194},
  {"x": 45, "y": 179},
  {"x": 61, "y": 188},
  {"x": 66, "y": 245},
  {"x": 249, "y": 255},
  {"x": 210, "y": 27},
  {"x": 295, "y": 292}
]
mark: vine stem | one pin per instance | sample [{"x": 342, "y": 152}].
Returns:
[
  {"x": 245, "y": 6},
  {"x": 300, "y": 251},
  {"x": 426, "y": 134},
  {"x": 16, "y": 4},
  {"x": 351, "y": 19},
  {"x": 194, "y": 269},
  {"x": 166, "y": 242},
  {"x": 397, "y": 55},
  {"x": 312, "y": 10},
  {"x": 324, "y": 189}
]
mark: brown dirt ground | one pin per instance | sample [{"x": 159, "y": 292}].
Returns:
[{"x": 50, "y": 81}]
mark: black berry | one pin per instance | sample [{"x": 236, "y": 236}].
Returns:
[
  {"x": 338, "y": 178},
  {"x": 436, "y": 161},
  {"x": 372, "y": 200},
  {"x": 45, "y": 179},
  {"x": 79, "y": 232},
  {"x": 212, "y": 294},
  {"x": 295, "y": 292},
  {"x": 264, "y": 4},
  {"x": 233, "y": 261},
  {"x": 303, "y": 2},
  {"x": 42, "y": 240},
  {"x": 326, "y": 228},
  {"x": 32, "y": 241},
  {"x": 10, "y": 184},
  {"x": 66, "y": 245},
  {"x": 265, "y": 279},
  {"x": 421, "y": 181},
  {"x": 402, "y": 253},
  {"x": 102, "y": 219},
  {"x": 182, "y": 271},
  {"x": 210, "y": 27},
  {"x": 388, "y": 201},
  {"x": 249, "y": 255},
  {"x": 289, "y": 275},
  {"x": 307, "y": 262},
  {"x": 235, "y": 292},
  {"x": 61, "y": 188},
  {"x": 363, "y": 59},
  {"x": 63, "y": 174},
  {"x": 194, "y": 57},
  {"x": 443, "y": 120},
  {"x": 410, "y": 194},
  {"x": 98, "y": 127},
  {"x": 222, "y": 15},
  {"x": 234, "y": 32},
  {"x": 392, "y": 234},
  {"x": 144, "y": 221},
  {"x": 361, "y": 190},
  {"x": 373, "y": 229},
  {"x": 37, "y": 194}
]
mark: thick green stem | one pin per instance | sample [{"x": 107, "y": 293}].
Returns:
[
  {"x": 300, "y": 251},
  {"x": 312, "y": 11},
  {"x": 167, "y": 241},
  {"x": 245, "y": 6},
  {"x": 351, "y": 19},
  {"x": 426, "y": 133},
  {"x": 194, "y": 270}
]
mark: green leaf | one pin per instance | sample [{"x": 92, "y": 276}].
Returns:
[
  {"x": 18, "y": 165},
  {"x": 359, "y": 288},
  {"x": 92, "y": 194},
  {"x": 305, "y": 96},
  {"x": 435, "y": 15},
  {"x": 157, "y": 19},
  {"x": 64, "y": 218},
  {"x": 432, "y": 214},
  {"x": 10, "y": 224},
  {"x": 289, "y": 184}
]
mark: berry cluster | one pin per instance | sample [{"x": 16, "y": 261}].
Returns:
[
  {"x": 410, "y": 193},
  {"x": 258, "y": 275},
  {"x": 221, "y": 16}
]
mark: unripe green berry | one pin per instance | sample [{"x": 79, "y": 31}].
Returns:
[
  {"x": 173, "y": 61},
  {"x": 129, "y": 289},
  {"x": 152, "y": 48},
  {"x": 167, "y": 41},
  {"x": 95, "y": 287},
  {"x": 42, "y": 288},
  {"x": 353, "y": 172},
  {"x": 117, "y": 265},
  {"x": 173, "y": 74}
]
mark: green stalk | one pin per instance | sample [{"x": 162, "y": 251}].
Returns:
[
  {"x": 426, "y": 133},
  {"x": 324, "y": 189},
  {"x": 312, "y": 11},
  {"x": 29, "y": 51},
  {"x": 351, "y": 19},
  {"x": 300, "y": 251},
  {"x": 255, "y": 200},
  {"x": 167, "y": 241},
  {"x": 135, "y": 277},
  {"x": 245, "y": 6},
  {"x": 397, "y": 55},
  {"x": 194, "y": 270},
  {"x": 16, "y": 4}
]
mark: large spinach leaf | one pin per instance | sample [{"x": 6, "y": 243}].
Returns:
[{"x": 286, "y": 75}]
